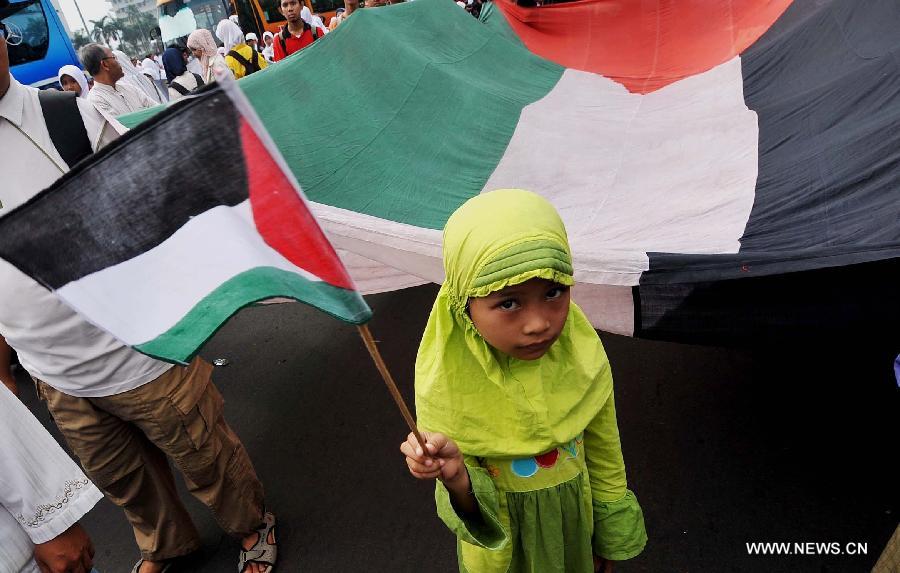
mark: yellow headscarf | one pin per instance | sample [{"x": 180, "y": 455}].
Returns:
[{"x": 491, "y": 404}]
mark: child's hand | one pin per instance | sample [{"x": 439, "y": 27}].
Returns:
[
  {"x": 602, "y": 565},
  {"x": 444, "y": 460}
]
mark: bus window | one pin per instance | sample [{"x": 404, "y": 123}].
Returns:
[
  {"x": 322, "y": 6},
  {"x": 270, "y": 11},
  {"x": 28, "y": 32},
  {"x": 178, "y": 18}
]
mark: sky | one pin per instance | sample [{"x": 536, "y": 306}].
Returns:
[{"x": 92, "y": 10}]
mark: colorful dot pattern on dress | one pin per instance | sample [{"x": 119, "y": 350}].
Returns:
[
  {"x": 527, "y": 467},
  {"x": 548, "y": 469}
]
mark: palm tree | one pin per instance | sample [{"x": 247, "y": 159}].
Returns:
[
  {"x": 105, "y": 29},
  {"x": 80, "y": 38},
  {"x": 134, "y": 27}
]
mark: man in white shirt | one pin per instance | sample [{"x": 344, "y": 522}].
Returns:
[
  {"x": 43, "y": 494},
  {"x": 108, "y": 94},
  {"x": 121, "y": 412}
]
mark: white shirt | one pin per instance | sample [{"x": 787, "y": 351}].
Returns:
[
  {"x": 269, "y": 53},
  {"x": 55, "y": 344},
  {"x": 42, "y": 491},
  {"x": 118, "y": 100}
]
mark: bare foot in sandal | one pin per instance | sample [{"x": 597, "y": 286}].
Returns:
[{"x": 259, "y": 557}]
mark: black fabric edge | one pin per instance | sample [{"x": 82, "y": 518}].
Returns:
[
  {"x": 668, "y": 268},
  {"x": 859, "y": 302}
]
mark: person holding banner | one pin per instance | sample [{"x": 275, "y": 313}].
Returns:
[
  {"x": 514, "y": 392},
  {"x": 124, "y": 414}
]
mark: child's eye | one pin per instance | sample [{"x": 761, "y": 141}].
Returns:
[
  {"x": 508, "y": 304},
  {"x": 556, "y": 292}
]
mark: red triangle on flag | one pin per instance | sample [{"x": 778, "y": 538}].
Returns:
[{"x": 283, "y": 218}]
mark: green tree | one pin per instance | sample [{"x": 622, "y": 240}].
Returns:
[
  {"x": 80, "y": 38},
  {"x": 105, "y": 30},
  {"x": 134, "y": 27}
]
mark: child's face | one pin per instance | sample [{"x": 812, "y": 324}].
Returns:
[
  {"x": 69, "y": 84},
  {"x": 522, "y": 320}
]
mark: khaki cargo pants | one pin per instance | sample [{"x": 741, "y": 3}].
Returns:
[{"x": 123, "y": 440}]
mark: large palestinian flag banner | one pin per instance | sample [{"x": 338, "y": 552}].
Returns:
[
  {"x": 726, "y": 169},
  {"x": 165, "y": 234}
]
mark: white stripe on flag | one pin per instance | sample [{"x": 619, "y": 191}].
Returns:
[
  {"x": 210, "y": 249},
  {"x": 671, "y": 171}
]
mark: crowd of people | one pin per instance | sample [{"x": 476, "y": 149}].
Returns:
[
  {"x": 117, "y": 84},
  {"x": 502, "y": 338}
]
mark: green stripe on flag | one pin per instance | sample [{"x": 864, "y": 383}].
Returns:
[
  {"x": 181, "y": 342},
  {"x": 414, "y": 105},
  {"x": 134, "y": 119},
  {"x": 402, "y": 112}
]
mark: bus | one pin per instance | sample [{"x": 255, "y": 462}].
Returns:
[
  {"x": 178, "y": 18},
  {"x": 38, "y": 44}
]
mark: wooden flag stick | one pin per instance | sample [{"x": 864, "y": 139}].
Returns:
[{"x": 392, "y": 386}]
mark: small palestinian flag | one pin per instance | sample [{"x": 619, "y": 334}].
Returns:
[{"x": 165, "y": 234}]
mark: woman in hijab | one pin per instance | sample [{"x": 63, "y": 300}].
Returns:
[
  {"x": 136, "y": 79},
  {"x": 268, "y": 50},
  {"x": 202, "y": 44},
  {"x": 181, "y": 81},
  {"x": 72, "y": 79},
  {"x": 230, "y": 34}
]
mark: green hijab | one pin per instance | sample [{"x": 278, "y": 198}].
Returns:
[{"x": 491, "y": 404}]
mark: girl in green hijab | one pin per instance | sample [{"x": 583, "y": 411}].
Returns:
[{"x": 514, "y": 392}]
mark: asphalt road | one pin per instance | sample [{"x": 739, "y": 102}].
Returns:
[{"x": 723, "y": 447}]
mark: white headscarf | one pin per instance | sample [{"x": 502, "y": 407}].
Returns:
[
  {"x": 135, "y": 78},
  {"x": 317, "y": 21},
  {"x": 268, "y": 50},
  {"x": 306, "y": 15},
  {"x": 313, "y": 21},
  {"x": 230, "y": 34},
  {"x": 76, "y": 74}
]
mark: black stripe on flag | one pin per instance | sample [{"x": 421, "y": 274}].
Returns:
[
  {"x": 821, "y": 247},
  {"x": 825, "y": 85},
  {"x": 132, "y": 195}
]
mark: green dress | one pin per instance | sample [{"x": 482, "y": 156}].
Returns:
[
  {"x": 540, "y": 436},
  {"x": 539, "y": 514}
]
